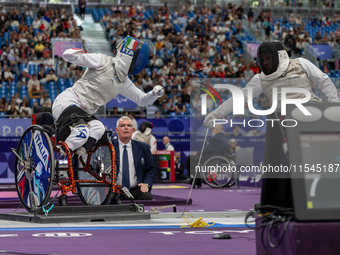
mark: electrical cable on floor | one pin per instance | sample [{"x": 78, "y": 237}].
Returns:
[
  {"x": 191, "y": 223},
  {"x": 271, "y": 216}
]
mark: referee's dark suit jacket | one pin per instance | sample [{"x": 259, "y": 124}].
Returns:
[{"x": 143, "y": 161}]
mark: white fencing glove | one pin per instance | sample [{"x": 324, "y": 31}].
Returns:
[{"x": 158, "y": 91}]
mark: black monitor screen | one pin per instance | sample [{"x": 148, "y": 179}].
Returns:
[{"x": 321, "y": 168}]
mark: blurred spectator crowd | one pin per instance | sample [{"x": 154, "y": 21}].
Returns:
[
  {"x": 189, "y": 43},
  {"x": 28, "y": 74},
  {"x": 296, "y": 32},
  {"x": 200, "y": 45},
  {"x": 206, "y": 43}
]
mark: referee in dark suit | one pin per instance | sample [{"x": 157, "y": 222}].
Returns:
[{"x": 135, "y": 167}]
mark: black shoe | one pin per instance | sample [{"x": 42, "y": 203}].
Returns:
[
  {"x": 115, "y": 200},
  {"x": 188, "y": 181},
  {"x": 198, "y": 183}
]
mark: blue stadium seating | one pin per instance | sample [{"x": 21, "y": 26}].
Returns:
[
  {"x": 233, "y": 81},
  {"x": 53, "y": 96},
  {"x": 32, "y": 100},
  {"x": 52, "y": 87},
  {"x": 6, "y": 36},
  {"x": 69, "y": 82},
  {"x": 243, "y": 83},
  {"x": 23, "y": 92},
  {"x": 148, "y": 71},
  {"x": 22, "y": 66},
  {"x": 32, "y": 69},
  {"x": 173, "y": 115},
  {"x": 15, "y": 77}
]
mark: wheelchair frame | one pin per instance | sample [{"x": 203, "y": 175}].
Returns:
[{"x": 36, "y": 168}]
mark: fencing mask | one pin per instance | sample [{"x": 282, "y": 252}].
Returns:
[{"x": 268, "y": 56}]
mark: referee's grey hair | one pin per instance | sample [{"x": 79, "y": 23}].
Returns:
[{"x": 123, "y": 118}]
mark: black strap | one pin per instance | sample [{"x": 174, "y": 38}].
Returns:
[{"x": 72, "y": 114}]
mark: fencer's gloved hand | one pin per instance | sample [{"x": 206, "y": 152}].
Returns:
[
  {"x": 158, "y": 91},
  {"x": 209, "y": 119}
]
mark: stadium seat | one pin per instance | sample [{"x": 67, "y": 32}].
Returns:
[
  {"x": 148, "y": 72},
  {"x": 32, "y": 69},
  {"x": 61, "y": 81},
  {"x": 233, "y": 81},
  {"x": 182, "y": 115},
  {"x": 69, "y": 82},
  {"x": 22, "y": 66},
  {"x": 3, "y": 87},
  {"x": 11, "y": 93},
  {"x": 62, "y": 88},
  {"x": 224, "y": 81},
  {"x": 23, "y": 93},
  {"x": 3, "y": 94},
  {"x": 6, "y": 36},
  {"x": 13, "y": 85},
  {"x": 32, "y": 100},
  {"x": 53, "y": 96},
  {"x": 52, "y": 87},
  {"x": 15, "y": 77},
  {"x": 173, "y": 115},
  {"x": 243, "y": 83}
]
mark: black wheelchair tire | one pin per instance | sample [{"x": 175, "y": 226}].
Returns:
[
  {"x": 50, "y": 161},
  {"x": 212, "y": 181},
  {"x": 102, "y": 193}
]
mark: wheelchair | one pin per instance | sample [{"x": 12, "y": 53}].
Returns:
[
  {"x": 219, "y": 177},
  {"x": 39, "y": 166}
]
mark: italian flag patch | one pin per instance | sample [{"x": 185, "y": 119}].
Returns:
[{"x": 131, "y": 44}]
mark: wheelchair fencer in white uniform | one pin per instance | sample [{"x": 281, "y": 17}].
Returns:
[{"x": 104, "y": 78}]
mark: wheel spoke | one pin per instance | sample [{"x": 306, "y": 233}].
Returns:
[{"x": 34, "y": 184}]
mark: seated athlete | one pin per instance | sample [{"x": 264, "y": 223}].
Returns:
[{"x": 105, "y": 77}]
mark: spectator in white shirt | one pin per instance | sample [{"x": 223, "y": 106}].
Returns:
[
  {"x": 29, "y": 13},
  {"x": 248, "y": 73},
  {"x": 2, "y": 10},
  {"x": 167, "y": 144},
  {"x": 49, "y": 63},
  {"x": 61, "y": 71},
  {"x": 45, "y": 100},
  {"x": 36, "y": 23},
  {"x": 8, "y": 75},
  {"x": 33, "y": 81}
]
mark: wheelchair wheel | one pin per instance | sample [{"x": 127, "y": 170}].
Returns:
[
  {"x": 36, "y": 150},
  {"x": 217, "y": 177},
  {"x": 92, "y": 193}
]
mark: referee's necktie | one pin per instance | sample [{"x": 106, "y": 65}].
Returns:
[{"x": 126, "y": 174}]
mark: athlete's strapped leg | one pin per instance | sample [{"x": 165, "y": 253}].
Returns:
[
  {"x": 97, "y": 129},
  {"x": 78, "y": 136}
]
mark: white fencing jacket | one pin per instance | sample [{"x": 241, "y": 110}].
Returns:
[
  {"x": 309, "y": 72},
  {"x": 105, "y": 77}
]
